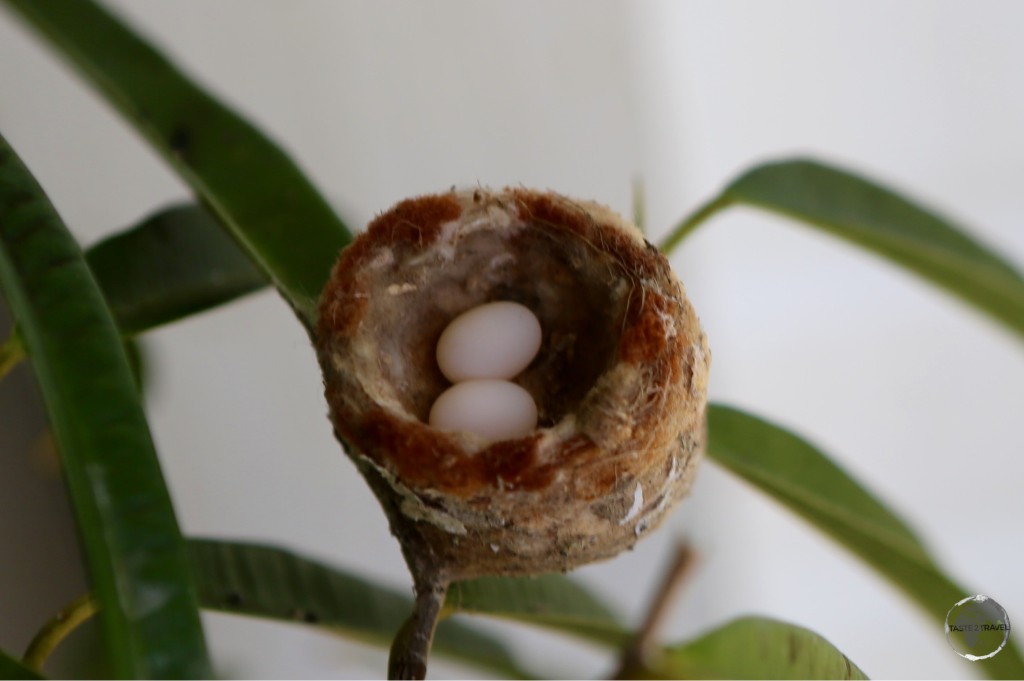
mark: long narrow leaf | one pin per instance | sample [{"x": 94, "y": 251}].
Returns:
[
  {"x": 10, "y": 668},
  {"x": 797, "y": 474},
  {"x": 255, "y": 189},
  {"x": 757, "y": 648},
  {"x": 175, "y": 263},
  {"x": 879, "y": 220},
  {"x": 135, "y": 553},
  {"x": 264, "y": 581},
  {"x": 552, "y": 601}
]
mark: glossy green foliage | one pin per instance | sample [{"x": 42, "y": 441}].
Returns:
[
  {"x": 175, "y": 263},
  {"x": 135, "y": 554},
  {"x": 552, "y": 601},
  {"x": 879, "y": 220},
  {"x": 264, "y": 581},
  {"x": 798, "y": 475},
  {"x": 247, "y": 181},
  {"x": 289, "y": 232},
  {"x": 771, "y": 457},
  {"x": 756, "y": 648}
]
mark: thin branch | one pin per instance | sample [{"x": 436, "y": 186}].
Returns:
[
  {"x": 645, "y": 643},
  {"x": 411, "y": 648},
  {"x": 57, "y": 629}
]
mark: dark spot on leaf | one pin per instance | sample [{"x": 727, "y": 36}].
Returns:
[
  {"x": 63, "y": 260},
  {"x": 18, "y": 233},
  {"x": 180, "y": 140},
  {"x": 303, "y": 615},
  {"x": 20, "y": 199}
]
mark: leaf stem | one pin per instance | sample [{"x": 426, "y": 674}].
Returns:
[
  {"x": 639, "y": 205},
  {"x": 11, "y": 352},
  {"x": 57, "y": 629},
  {"x": 693, "y": 221}
]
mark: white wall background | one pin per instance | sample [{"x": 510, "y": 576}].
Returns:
[{"x": 917, "y": 396}]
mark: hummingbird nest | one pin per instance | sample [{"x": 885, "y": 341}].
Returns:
[{"x": 620, "y": 381}]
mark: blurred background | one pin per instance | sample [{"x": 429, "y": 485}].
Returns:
[{"x": 916, "y": 395}]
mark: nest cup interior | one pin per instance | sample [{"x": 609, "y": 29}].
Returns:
[{"x": 578, "y": 292}]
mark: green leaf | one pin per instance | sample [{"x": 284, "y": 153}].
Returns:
[
  {"x": 757, "y": 648},
  {"x": 264, "y": 581},
  {"x": 879, "y": 220},
  {"x": 138, "y": 363},
  {"x": 245, "y": 179},
  {"x": 175, "y": 263},
  {"x": 135, "y": 553},
  {"x": 793, "y": 470},
  {"x": 800, "y": 476},
  {"x": 553, "y": 601},
  {"x": 11, "y": 668}
]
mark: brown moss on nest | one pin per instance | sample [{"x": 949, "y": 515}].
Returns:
[{"x": 620, "y": 380}]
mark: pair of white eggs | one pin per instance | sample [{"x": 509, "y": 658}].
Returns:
[{"x": 479, "y": 351}]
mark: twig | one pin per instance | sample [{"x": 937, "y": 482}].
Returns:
[
  {"x": 57, "y": 629},
  {"x": 639, "y": 651},
  {"x": 411, "y": 647}
]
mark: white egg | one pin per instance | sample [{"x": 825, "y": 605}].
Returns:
[
  {"x": 495, "y": 410},
  {"x": 496, "y": 340}
]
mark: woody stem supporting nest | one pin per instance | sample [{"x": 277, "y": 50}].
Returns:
[{"x": 411, "y": 647}]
